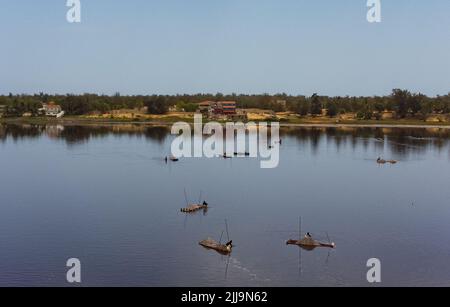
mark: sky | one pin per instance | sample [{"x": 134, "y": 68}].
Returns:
[{"x": 231, "y": 46}]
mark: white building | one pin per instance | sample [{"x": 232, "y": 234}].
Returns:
[{"x": 52, "y": 109}]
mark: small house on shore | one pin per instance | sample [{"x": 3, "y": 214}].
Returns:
[
  {"x": 204, "y": 106},
  {"x": 227, "y": 108},
  {"x": 51, "y": 109}
]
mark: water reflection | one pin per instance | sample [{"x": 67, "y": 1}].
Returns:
[
  {"x": 399, "y": 141},
  {"x": 73, "y": 135}
]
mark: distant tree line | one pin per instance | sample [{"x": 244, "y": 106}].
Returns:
[{"x": 403, "y": 102}]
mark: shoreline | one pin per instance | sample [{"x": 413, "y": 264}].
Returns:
[{"x": 320, "y": 124}]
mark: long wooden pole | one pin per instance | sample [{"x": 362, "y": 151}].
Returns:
[
  {"x": 299, "y": 227},
  {"x": 185, "y": 197},
  {"x": 226, "y": 227}
]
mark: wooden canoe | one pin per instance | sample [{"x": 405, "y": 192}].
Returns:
[
  {"x": 194, "y": 208},
  {"x": 382, "y": 161},
  {"x": 310, "y": 243},
  {"x": 212, "y": 244}
]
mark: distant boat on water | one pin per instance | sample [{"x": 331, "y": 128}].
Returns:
[
  {"x": 172, "y": 158},
  {"x": 382, "y": 161}
]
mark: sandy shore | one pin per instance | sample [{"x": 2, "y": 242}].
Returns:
[
  {"x": 367, "y": 126},
  {"x": 82, "y": 122}
]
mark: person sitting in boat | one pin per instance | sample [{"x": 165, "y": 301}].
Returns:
[
  {"x": 307, "y": 240},
  {"x": 205, "y": 203},
  {"x": 381, "y": 161},
  {"x": 229, "y": 245}
]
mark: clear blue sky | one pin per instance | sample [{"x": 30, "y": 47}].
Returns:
[{"x": 242, "y": 46}]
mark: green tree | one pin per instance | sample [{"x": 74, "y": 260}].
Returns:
[
  {"x": 316, "y": 105},
  {"x": 416, "y": 102},
  {"x": 303, "y": 108},
  {"x": 401, "y": 100},
  {"x": 156, "y": 105},
  {"x": 332, "y": 109},
  {"x": 187, "y": 107},
  {"x": 379, "y": 104}
]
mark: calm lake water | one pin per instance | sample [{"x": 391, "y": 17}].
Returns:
[{"x": 106, "y": 196}]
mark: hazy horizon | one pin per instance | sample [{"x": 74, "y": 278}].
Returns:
[
  {"x": 212, "y": 94},
  {"x": 249, "y": 47}
]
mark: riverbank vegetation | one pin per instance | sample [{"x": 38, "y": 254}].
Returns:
[{"x": 400, "y": 104}]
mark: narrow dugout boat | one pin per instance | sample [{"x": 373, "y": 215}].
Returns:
[
  {"x": 309, "y": 242},
  {"x": 221, "y": 248},
  {"x": 195, "y": 207}
]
